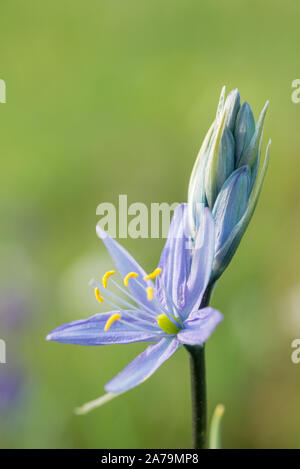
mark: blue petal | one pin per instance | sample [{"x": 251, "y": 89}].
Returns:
[
  {"x": 175, "y": 261},
  {"x": 226, "y": 159},
  {"x": 199, "y": 326},
  {"x": 244, "y": 129},
  {"x": 125, "y": 263},
  {"x": 231, "y": 204},
  {"x": 143, "y": 366},
  {"x": 91, "y": 331},
  {"x": 202, "y": 259},
  {"x": 251, "y": 152}
]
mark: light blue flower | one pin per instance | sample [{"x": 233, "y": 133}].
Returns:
[
  {"x": 225, "y": 175},
  {"x": 165, "y": 313}
]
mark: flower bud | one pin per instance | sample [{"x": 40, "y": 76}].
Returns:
[{"x": 225, "y": 175}]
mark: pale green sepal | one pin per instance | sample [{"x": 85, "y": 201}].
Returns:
[
  {"x": 251, "y": 153},
  {"x": 196, "y": 191},
  {"x": 88, "y": 406},
  {"x": 194, "y": 179},
  {"x": 215, "y": 437},
  {"x": 254, "y": 169},
  {"x": 211, "y": 171},
  {"x": 220, "y": 107},
  {"x": 232, "y": 106},
  {"x": 225, "y": 253},
  {"x": 226, "y": 159}
]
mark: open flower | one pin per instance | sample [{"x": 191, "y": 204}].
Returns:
[{"x": 165, "y": 313}]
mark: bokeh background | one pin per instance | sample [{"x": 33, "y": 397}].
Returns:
[{"x": 109, "y": 97}]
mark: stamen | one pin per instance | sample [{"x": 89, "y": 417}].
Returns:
[
  {"x": 155, "y": 301},
  {"x": 98, "y": 296},
  {"x": 153, "y": 274},
  {"x": 124, "y": 303},
  {"x": 128, "y": 276},
  {"x": 131, "y": 313},
  {"x": 170, "y": 303},
  {"x": 143, "y": 309},
  {"x": 111, "y": 320},
  {"x": 139, "y": 328},
  {"x": 106, "y": 276},
  {"x": 149, "y": 293}
]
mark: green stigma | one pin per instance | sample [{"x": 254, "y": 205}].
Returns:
[{"x": 166, "y": 324}]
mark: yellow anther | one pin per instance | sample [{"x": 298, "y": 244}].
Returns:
[
  {"x": 106, "y": 276},
  {"x": 111, "y": 320},
  {"x": 98, "y": 296},
  {"x": 153, "y": 274},
  {"x": 149, "y": 293},
  {"x": 128, "y": 276}
]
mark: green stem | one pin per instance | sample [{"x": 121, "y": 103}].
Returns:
[
  {"x": 198, "y": 389},
  {"x": 198, "y": 386}
]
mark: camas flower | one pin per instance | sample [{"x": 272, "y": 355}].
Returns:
[
  {"x": 225, "y": 176},
  {"x": 165, "y": 313}
]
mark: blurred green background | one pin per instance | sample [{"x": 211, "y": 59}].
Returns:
[{"x": 109, "y": 97}]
